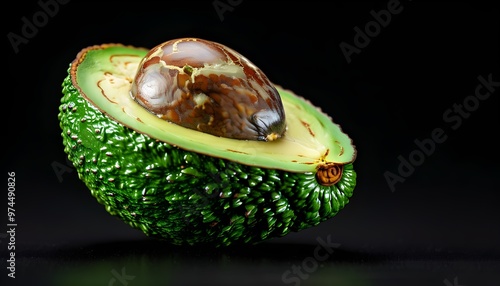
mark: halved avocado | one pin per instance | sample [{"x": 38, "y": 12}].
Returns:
[{"x": 190, "y": 187}]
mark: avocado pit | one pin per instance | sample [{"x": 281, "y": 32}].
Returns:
[{"x": 206, "y": 86}]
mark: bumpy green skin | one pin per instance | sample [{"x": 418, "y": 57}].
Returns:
[{"x": 184, "y": 197}]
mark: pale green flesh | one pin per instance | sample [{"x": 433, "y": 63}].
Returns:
[{"x": 105, "y": 78}]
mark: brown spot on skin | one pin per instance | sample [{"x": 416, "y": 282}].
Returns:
[
  {"x": 329, "y": 174},
  {"x": 236, "y": 151},
  {"x": 308, "y": 126},
  {"x": 341, "y": 147},
  {"x": 103, "y": 92}
]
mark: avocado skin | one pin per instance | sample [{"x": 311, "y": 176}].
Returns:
[{"x": 187, "y": 198}]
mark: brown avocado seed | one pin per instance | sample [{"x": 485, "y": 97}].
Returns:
[{"x": 209, "y": 87}]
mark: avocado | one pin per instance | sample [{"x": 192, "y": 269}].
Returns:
[{"x": 189, "y": 186}]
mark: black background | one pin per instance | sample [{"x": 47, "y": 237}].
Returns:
[{"x": 438, "y": 227}]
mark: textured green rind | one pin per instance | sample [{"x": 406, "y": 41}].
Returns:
[{"x": 184, "y": 197}]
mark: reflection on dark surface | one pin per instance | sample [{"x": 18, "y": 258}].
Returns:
[{"x": 152, "y": 262}]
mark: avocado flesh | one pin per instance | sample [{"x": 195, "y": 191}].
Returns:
[{"x": 190, "y": 187}]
